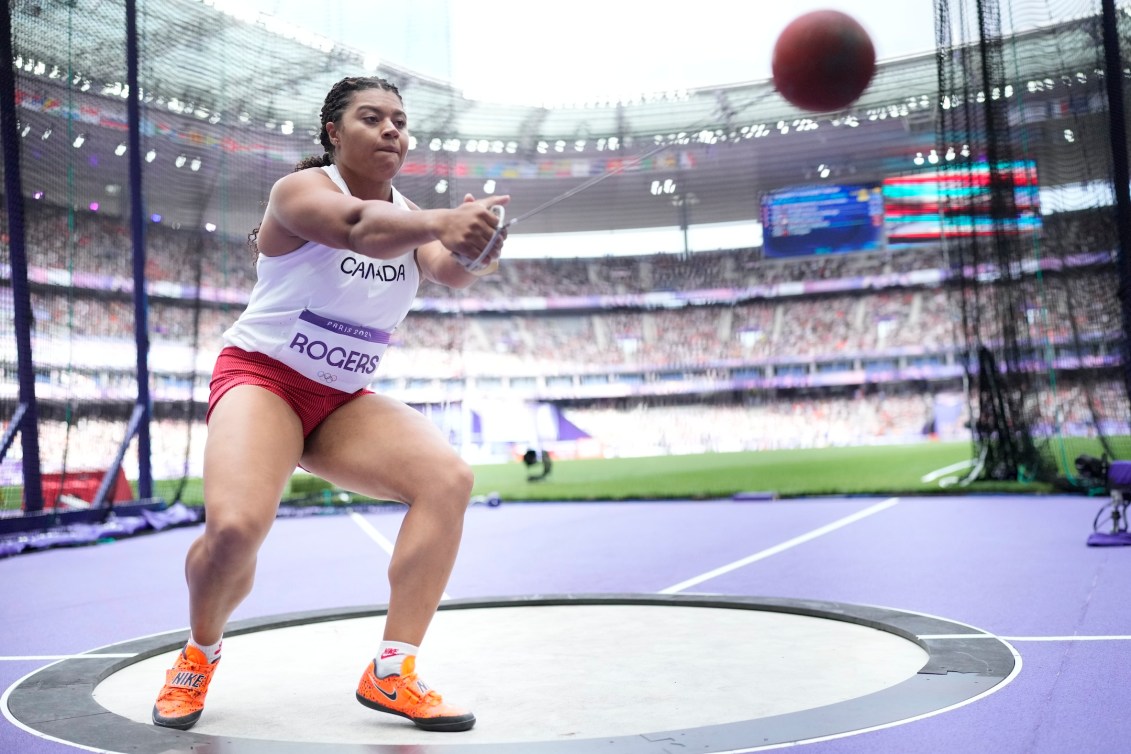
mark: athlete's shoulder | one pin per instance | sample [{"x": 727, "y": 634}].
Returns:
[{"x": 306, "y": 178}]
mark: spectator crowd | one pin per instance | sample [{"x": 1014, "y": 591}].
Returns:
[{"x": 81, "y": 265}]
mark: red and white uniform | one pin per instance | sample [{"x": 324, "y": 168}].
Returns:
[{"x": 327, "y": 313}]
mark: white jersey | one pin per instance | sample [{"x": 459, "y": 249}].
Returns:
[{"x": 327, "y": 313}]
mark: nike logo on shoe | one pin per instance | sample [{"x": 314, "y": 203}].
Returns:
[
  {"x": 187, "y": 680},
  {"x": 391, "y": 697}
]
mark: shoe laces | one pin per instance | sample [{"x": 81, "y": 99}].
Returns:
[{"x": 179, "y": 694}]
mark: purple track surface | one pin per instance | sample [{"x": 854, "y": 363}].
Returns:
[{"x": 1017, "y": 567}]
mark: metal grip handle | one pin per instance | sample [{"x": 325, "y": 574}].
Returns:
[{"x": 477, "y": 266}]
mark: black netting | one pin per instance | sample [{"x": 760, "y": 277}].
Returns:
[
  {"x": 1016, "y": 312},
  {"x": 78, "y": 262},
  {"x": 1045, "y": 342}
]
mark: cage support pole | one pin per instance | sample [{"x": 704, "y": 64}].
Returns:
[
  {"x": 1117, "y": 124},
  {"x": 137, "y": 233},
  {"x": 26, "y": 420}
]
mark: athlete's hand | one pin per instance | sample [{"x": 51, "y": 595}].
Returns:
[{"x": 467, "y": 229}]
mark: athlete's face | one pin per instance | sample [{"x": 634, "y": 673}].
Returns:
[{"x": 372, "y": 136}]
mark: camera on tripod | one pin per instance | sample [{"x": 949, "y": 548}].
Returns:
[
  {"x": 531, "y": 457},
  {"x": 1093, "y": 471},
  {"x": 1114, "y": 479}
]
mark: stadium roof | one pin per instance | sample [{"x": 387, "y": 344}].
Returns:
[{"x": 215, "y": 83}]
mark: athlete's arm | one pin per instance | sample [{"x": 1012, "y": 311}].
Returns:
[{"x": 307, "y": 206}]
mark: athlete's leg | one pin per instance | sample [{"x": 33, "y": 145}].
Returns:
[
  {"x": 254, "y": 443},
  {"x": 384, "y": 449}
]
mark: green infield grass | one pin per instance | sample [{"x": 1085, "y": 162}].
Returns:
[{"x": 867, "y": 470}]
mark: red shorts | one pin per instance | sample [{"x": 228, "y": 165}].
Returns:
[{"x": 311, "y": 401}]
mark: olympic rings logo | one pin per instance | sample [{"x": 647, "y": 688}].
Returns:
[{"x": 328, "y": 377}]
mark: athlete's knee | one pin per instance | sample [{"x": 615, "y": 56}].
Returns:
[
  {"x": 232, "y": 540},
  {"x": 452, "y": 483},
  {"x": 460, "y": 481}
]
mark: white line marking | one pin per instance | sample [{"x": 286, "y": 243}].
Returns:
[
  {"x": 108, "y": 655},
  {"x": 956, "y": 636},
  {"x": 992, "y": 690},
  {"x": 1066, "y": 638},
  {"x": 27, "y": 729},
  {"x": 939, "y": 473},
  {"x": 1025, "y": 638},
  {"x": 877, "y": 508},
  {"x": 381, "y": 540}
]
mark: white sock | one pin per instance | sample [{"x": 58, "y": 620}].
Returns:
[
  {"x": 390, "y": 655},
  {"x": 211, "y": 651}
]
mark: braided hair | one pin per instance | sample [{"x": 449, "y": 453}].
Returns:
[
  {"x": 333, "y": 107},
  {"x": 337, "y": 100}
]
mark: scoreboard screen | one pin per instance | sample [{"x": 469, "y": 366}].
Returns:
[{"x": 832, "y": 219}]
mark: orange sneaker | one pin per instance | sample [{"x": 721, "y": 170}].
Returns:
[
  {"x": 407, "y": 696},
  {"x": 182, "y": 697}
]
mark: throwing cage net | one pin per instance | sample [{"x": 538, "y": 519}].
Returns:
[
  {"x": 141, "y": 139},
  {"x": 1032, "y": 124},
  {"x": 130, "y": 228}
]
